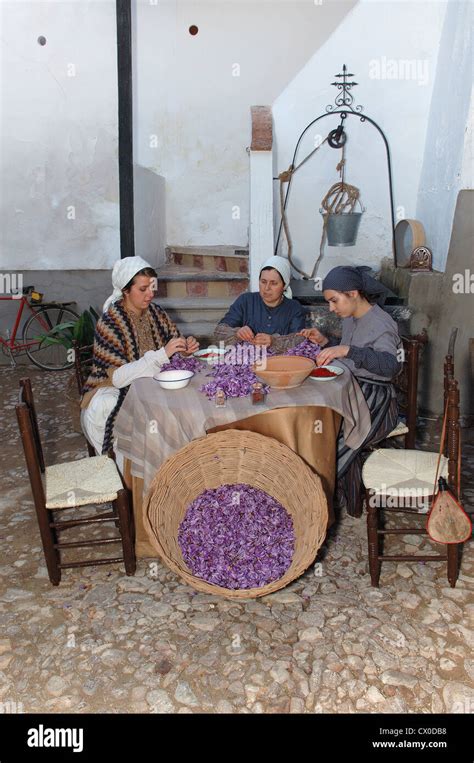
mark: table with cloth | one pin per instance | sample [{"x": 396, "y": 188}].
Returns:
[{"x": 154, "y": 423}]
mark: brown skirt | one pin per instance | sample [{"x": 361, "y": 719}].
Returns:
[{"x": 309, "y": 431}]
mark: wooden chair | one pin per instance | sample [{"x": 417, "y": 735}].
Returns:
[
  {"x": 449, "y": 364},
  {"x": 406, "y": 384},
  {"x": 70, "y": 485},
  {"x": 82, "y": 365},
  {"x": 392, "y": 476}
]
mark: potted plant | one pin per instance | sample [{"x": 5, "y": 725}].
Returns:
[
  {"x": 74, "y": 335},
  {"x": 71, "y": 333}
]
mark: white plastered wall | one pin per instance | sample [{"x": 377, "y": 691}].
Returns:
[{"x": 392, "y": 49}]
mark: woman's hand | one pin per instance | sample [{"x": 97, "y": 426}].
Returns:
[
  {"x": 192, "y": 345},
  {"x": 245, "y": 333},
  {"x": 175, "y": 345},
  {"x": 263, "y": 340},
  {"x": 325, "y": 356},
  {"x": 314, "y": 336}
]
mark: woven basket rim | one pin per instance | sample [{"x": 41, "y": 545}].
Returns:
[{"x": 235, "y": 439}]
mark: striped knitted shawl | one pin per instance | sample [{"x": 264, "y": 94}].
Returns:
[{"x": 116, "y": 343}]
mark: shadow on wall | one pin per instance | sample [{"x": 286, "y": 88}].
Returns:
[
  {"x": 149, "y": 215},
  {"x": 457, "y": 298},
  {"x": 441, "y": 302}
]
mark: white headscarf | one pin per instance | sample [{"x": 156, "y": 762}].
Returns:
[
  {"x": 284, "y": 269},
  {"x": 123, "y": 272}
]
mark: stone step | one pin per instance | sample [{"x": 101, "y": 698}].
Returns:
[
  {"x": 185, "y": 303},
  {"x": 185, "y": 281},
  {"x": 223, "y": 259},
  {"x": 202, "y": 330},
  {"x": 174, "y": 272},
  {"x": 190, "y": 309}
]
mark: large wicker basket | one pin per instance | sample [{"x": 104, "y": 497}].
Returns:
[{"x": 231, "y": 457}]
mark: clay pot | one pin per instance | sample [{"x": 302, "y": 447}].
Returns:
[{"x": 284, "y": 371}]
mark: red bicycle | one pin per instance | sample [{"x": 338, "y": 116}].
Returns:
[{"x": 44, "y": 317}]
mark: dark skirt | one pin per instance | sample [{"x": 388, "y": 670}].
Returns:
[{"x": 383, "y": 407}]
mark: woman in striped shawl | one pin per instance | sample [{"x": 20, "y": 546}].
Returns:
[
  {"x": 370, "y": 347},
  {"x": 133, "y": 339}
]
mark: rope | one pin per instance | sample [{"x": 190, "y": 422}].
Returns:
[
  {"x": 285, "y": 177},
  {"x": 441, "y": 444},
  {"x": 341, "y": 198}
]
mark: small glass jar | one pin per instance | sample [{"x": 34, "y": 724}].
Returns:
[
  {"x": 220, "y": 398},
  {"x": 258, "y": 393}
]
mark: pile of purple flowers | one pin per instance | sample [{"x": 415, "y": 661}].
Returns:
[
  {"x": 236, "y": 381},
  {"x": 246, "y": 353},
  {"x": 182, "y": 363},
  {"x": 237, "y": 536},
  {"x": 306, "y": 348},
  {"x": 233, "y": 372}
]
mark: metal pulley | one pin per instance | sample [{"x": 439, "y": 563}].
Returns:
[{"x": 337, "y": 137}]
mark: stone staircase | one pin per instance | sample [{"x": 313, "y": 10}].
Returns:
[{"x": 197, "y": 285}]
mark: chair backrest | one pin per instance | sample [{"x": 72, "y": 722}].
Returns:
[
  {"x": 30, "y": 436},
  {"x": 82, "y": 363},
  {"x": 26, "y": 398},
  {"x": 406, "y": 383},
  {"x": 452, "y": 448},
  {"x": 449, "y": 364}
]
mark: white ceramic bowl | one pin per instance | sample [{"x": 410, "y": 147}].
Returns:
[
  {"x": 335, "y": 369},
  {"x": 214, "y": 353},
  {"x": 174, "y": 379}
]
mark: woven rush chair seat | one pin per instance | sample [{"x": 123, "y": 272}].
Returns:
[
  {"x": 79, "y": 483},
  {"x": 226, "y": 458},
  {"x": 388, "y": 469}
]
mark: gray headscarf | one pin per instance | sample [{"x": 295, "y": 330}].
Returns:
[{"x": 346, "y": 278}]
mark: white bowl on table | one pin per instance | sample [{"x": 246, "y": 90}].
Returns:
[
  {"x": 174, "y": 379},
  {"x": 210, "y": 355}
]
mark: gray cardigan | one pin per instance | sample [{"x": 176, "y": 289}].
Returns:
[{"x": 374, "y": 343}]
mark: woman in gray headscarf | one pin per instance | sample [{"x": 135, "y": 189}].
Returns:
[{"x": 370, "y": 347}]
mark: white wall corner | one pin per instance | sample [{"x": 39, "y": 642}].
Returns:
[
  {"x": 261, "y": 213},
  {"x": 445, "y": 151},
  {"x": 149, "y": 215}
]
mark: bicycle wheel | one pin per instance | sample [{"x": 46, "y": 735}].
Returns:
[{"x": 48, "y": 357}]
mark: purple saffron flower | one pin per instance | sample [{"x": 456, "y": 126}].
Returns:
[
  {"x": 305, "y": 349},
  {"x": 237, "y": 536},
  {"x": 181, "y": 363}
]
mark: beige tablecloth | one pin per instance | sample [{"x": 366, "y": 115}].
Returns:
[{"x": 154, "y": 423}]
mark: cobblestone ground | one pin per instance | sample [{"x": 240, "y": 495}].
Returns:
[{"x": 102, "y": 642}]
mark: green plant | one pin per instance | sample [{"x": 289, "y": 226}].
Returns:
[{"x": 80, "y": 331}]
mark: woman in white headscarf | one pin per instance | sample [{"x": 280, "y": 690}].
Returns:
[
  {"x": 268, "y": 317},
  {"x": 134, "y": 338}
]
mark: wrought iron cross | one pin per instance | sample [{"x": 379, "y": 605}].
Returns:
[{"x": 344, "y": 99}]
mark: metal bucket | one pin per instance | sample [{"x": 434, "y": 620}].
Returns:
[{"x": 342, "y": 229}]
